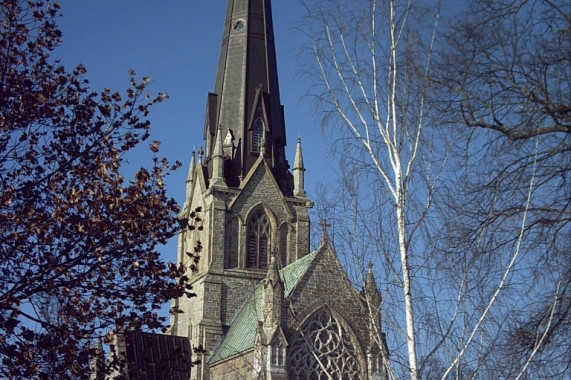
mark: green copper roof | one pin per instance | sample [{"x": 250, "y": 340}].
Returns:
[{"x": 242, "y": 331}]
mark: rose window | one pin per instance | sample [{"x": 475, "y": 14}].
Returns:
[{"x": 323, "y": 350}]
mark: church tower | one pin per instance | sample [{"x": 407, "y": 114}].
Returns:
[
  {"x": 265, "y": 307},
  {"x": 253, "y": 210}
]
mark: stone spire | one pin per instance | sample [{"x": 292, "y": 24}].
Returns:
[
  {"x": 246, "y": 99},
  {"x": 200, "y": 155},
  {"x": 272, "y": 299},
  {"x": 324, "y": 234},
  {"x": 190, "y": 175},
  {"x": 217, "y": 178},
  {"x": 373, "y": 298},
  {"x": 298, "y": 172}
]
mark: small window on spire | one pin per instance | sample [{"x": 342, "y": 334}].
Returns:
[{"x": 257, "y": 135}]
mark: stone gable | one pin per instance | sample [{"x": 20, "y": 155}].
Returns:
[
  {"x": 261, "y": 188},
  {"x": 325, "y": 284}
]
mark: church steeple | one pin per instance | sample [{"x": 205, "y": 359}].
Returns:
[
  {"x": 254, "y": 217},
  {"x": 246, "y": 100}
]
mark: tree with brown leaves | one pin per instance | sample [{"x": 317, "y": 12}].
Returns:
[{"x": 78, "y": 242}]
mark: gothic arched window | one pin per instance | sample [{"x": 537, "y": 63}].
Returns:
[
  {"x": 323, "y": 350},
  {"x": 258, "y": 240},
  {"x": 257, "y": 135}
]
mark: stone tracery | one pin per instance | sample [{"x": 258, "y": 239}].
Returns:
[{"x": 323, "y": 350}]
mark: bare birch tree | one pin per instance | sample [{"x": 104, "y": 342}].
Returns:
[
  {"x": 480, "y": 266},
  {"x": 372, "y": 63}
]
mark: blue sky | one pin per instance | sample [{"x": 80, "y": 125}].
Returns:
[{"x": 176, "y": 43}]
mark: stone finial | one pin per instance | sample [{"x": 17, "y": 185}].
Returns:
[
  {"x": 218, "y": 162},
  {"x": 324, "y": 235},
  {"x": 373, "y": 297},
  {"x": 371, "y": 287},
  {"x": 191, "y": 168},
  {"x": 298, "y": 172},
  {"x": 272, "y": 298},
  {"x": 273, "y": 274},
  {"x": 263, "y": 143}
]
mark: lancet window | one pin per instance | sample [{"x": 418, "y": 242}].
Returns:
[
  {"x": 258, "y": 240},
  {"x": 323, "y": 351}
]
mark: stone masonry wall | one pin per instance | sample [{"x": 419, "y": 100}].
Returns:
[
  {"x": 237, "y": 285},
  {"x": 241, "y": 367}
]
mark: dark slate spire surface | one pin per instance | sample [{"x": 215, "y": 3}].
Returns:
[{"x": 246, "y": 101}]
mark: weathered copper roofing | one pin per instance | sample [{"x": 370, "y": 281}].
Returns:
[{"x": 242, "y": 331}]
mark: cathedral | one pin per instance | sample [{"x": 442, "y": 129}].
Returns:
[{"x": 266, "y": 307}]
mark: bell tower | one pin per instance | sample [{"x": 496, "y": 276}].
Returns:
[{"x": 253, "y": 211}]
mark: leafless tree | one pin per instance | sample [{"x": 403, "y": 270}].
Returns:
[
  {"x": 372, "y": 66},
  {"x": 471, "y": 224},
  {"x": 507, "y": 95}
]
